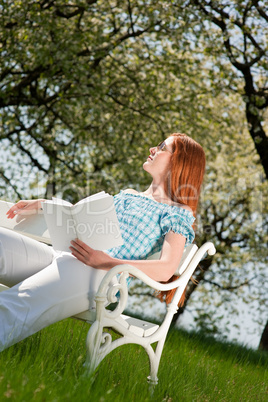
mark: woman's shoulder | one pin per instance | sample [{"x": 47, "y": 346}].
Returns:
[
  {"x": 182, "y": 206},
  {"x": 130, "y": 191},
  {"x": 158, "y": 202}
]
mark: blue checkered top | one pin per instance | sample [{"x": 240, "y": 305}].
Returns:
[{"x": 144, "y": 224}]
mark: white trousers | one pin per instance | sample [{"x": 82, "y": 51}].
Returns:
[{"x": 46, "y": 287}]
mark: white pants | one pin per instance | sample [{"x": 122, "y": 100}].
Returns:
[{"x": 47, "y": 287}]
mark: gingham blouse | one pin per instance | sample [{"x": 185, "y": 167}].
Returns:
[{"x": 144, "y": 224}]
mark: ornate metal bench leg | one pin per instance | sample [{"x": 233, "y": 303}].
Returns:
[
  {"x": 154, "y": 357},
  {"x": 93, "y": 343}
]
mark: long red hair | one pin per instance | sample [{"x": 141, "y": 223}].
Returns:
[{"x": 183, "y": 184}]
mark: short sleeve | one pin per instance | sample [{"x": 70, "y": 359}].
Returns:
[{"x": 178, "y": 222}]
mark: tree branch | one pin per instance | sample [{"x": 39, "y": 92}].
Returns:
[
  {"x": 261, "y": 11},
  {"x": 8, "y": 182},
  {"x": 29, "y": 154},
  {"x": 229, "y": 287}
]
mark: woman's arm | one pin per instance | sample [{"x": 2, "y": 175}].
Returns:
[
  {"x": 24, "y": 207},
  {"x": 159, "y": 270}
]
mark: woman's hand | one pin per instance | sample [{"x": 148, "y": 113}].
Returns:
[
  {"x": 89, "y": 256},
  {"x": 24, "y": 207}
]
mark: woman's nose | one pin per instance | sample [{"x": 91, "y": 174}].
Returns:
[{"x": 152, "y": 150}]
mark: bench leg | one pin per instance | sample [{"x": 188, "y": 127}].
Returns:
[
  {"x": 100, "y": 344},
  {"x": 154, "y": 358},
  {"x": 95, "y": 348}
]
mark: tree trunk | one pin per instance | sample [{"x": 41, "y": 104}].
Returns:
[
  {"x": 255, "y": 93},
  {"x": 256, "y": 131},
  {"x": 264, "y": 339}
]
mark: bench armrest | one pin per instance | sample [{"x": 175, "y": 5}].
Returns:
[{"x": 109, "y": 294}]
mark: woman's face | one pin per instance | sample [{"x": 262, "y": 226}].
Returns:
[{"x": 158, "y": 161}]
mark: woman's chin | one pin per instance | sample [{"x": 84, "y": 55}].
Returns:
[{"x": 146, "y": 166}]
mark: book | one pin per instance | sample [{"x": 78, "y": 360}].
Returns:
[
  {"x": 32, "y": 225},
  {"x": 92, "y": 220}
]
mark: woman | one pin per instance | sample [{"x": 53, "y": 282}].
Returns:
[{"x": 48, "y": 287}]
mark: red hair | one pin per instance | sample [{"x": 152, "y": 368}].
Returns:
[
  {"x": 187, "y": 168},
  {"x": 183, "y": 184}
]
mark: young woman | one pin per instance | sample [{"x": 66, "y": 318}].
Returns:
[{"x": 47, "y": 286}]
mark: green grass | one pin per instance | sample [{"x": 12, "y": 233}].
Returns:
[{"x": 49, "y": 367}]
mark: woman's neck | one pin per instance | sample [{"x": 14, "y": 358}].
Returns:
[{"x": 157, "y": 193}]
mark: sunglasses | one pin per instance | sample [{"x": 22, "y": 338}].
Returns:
[{"x": 163, "y": 147}]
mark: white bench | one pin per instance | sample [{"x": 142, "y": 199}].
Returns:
[{"x": 99, "y": 343}]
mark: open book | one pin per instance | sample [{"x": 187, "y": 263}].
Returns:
[{"x": 92, "y": 220}]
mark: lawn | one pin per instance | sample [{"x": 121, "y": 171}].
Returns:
[{"x": 49, "y": 367}]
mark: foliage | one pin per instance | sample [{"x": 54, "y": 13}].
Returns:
[
  {"x": 235, "y": 33},
  {"x": 87, "y": 87},
  {"x": 234, "y": 214},
  {"x": 80, "y": 79}
]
